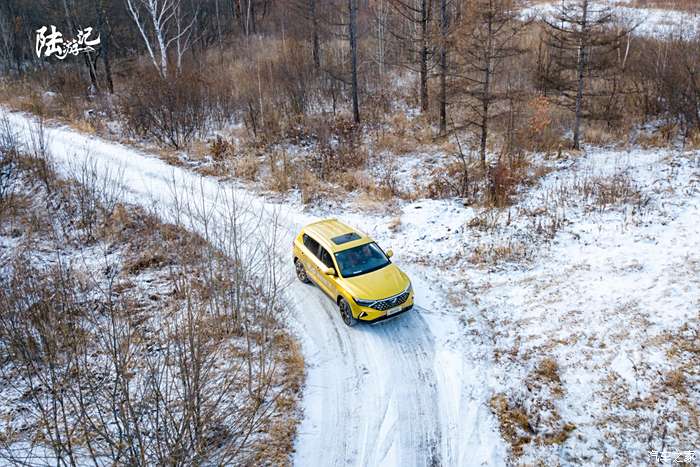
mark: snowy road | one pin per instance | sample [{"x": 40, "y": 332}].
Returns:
[{"x": 399, "y": 393}]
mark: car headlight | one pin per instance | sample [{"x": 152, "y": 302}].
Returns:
[
  {"x": 364, "y": 302},
  {"x": 410, "y": 287}
]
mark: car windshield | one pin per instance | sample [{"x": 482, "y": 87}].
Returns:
[{"x": 361, "y": 260}]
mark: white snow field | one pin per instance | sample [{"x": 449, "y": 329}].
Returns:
[
  {"x": 650, "y": 22},
  {"x": 574, "y": 315}
]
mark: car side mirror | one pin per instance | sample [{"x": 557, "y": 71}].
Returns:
[
  {"x": 389, "y": 253},
  {"x": 329, "y": 271}
]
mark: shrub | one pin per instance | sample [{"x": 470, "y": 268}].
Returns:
[
  {"x": 172, "y": 111},
  {"x": 667, "y": 85},
  {"x": 221, "y": 149},
  {"x": 339, "y": 149},
  {"x": 542, "y": 131}
]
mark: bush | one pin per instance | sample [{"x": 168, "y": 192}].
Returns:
[
  {"x": 172, "y": 111},
  {"x": 668, "y": 85},
  {"x": 340, "y": 149}
]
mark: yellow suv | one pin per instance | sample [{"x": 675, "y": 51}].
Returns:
[{"x": 351, "y": 268}]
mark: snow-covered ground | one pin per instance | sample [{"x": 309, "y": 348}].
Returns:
[
  {"x": 650, "y": 22},
  {"x": 401, "y": 393},
  {"x": 565, "y": 326},
  {"x": 608, "y": 290}
]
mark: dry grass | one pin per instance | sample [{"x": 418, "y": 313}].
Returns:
[
  {"x": 283, "y": 428},
  {"x": 221, "y": 149},
  {"x": 394, "y": 144},
  {"x": 310, "y": 187},
  {"x": 522, "y": 427},
  {"x": 610, "y": 190},
  {"x": 247, "y": 167},
  {"x": 687, "y": 5},
  {"x": 60, "y": 97},
  {"x": 693, "y": 140},
  {"x": 543, "y": 128},
  {"x": 660, "y": 138},
  {"x": 514, "y": 423},
  {"x": 605, "y": 135},
  {"x": 549, "y": 370},
  {"x": 146, "y": 258},
  {"x": 677, "y": 381},
  {"x": 404, "y": 135},
  {"x": 281, "y": 174}
]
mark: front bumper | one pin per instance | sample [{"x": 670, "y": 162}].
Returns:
[
  {"x": 385, "y": 317},
  {"x": 370, "y": 315}
]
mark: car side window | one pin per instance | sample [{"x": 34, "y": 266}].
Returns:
[
  {"x": 326, "y": 258},
  {"x": 311, "y": 245}
]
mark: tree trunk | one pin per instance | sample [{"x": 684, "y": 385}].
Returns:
[
  {"x": 424, "y": 56},
  {"x": 484, "y": 129},
  {"x": 314, "y": 23},
  {"x": 352, "y": 4},
  {"x": 251, "y": 10},
  {"x": 443, "y": 67},
  {"x": 580, "y": 73},
  {"x": 103, "y": 31},
  {"x": 87, "y": 56},
  {"x": 16, "y": 49},
  {"x": 486, "y": 92}
]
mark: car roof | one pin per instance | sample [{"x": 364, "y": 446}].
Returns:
[{"x": 326, "y": 230}]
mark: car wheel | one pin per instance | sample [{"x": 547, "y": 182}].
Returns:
[
  {"x": 301, "y": 272},
  {"x": 346, "y": 313}
]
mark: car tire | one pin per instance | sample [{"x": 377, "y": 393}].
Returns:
[
  {"x": 301, "y": 272},
  {"x": 346, "y": 313}
]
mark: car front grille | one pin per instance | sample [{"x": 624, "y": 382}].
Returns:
[{"x": 391, "y": 302}]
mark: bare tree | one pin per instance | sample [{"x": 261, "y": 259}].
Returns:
[
  {"x": 444, "y": 30},
  {"x": 10, "y": 35},
  {"x": 352, "y": 37},
  {"x": 578, "y": 31},
  {"x": 105, "y": 33},
  {"x": 484, "y": 41},
  {"x": 418, "y": 14},
  {"x": 316, "y": 48},
  {"x": 162, "y": 22}
]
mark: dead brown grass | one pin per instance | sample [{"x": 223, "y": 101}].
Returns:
[
  {"x": 404, "y": 135},
  {"x": 521, "y": 426},
  {"x": 549, "y": 370},
  {"x": 492, "y": 254},
  {"x": 611, "y": 190},
  {"x": 677, "y": 381},
  {"x": 247, "y": 167}
]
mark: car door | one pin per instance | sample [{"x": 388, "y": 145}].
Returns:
[
  {"x": 311, "y": 259},
  {"x": 328, "y": 282}
]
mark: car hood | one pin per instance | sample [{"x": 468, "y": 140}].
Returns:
[{"x": 376, "y": 285}]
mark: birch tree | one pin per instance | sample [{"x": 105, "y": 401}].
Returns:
[{"x": 163, "y": 27}]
